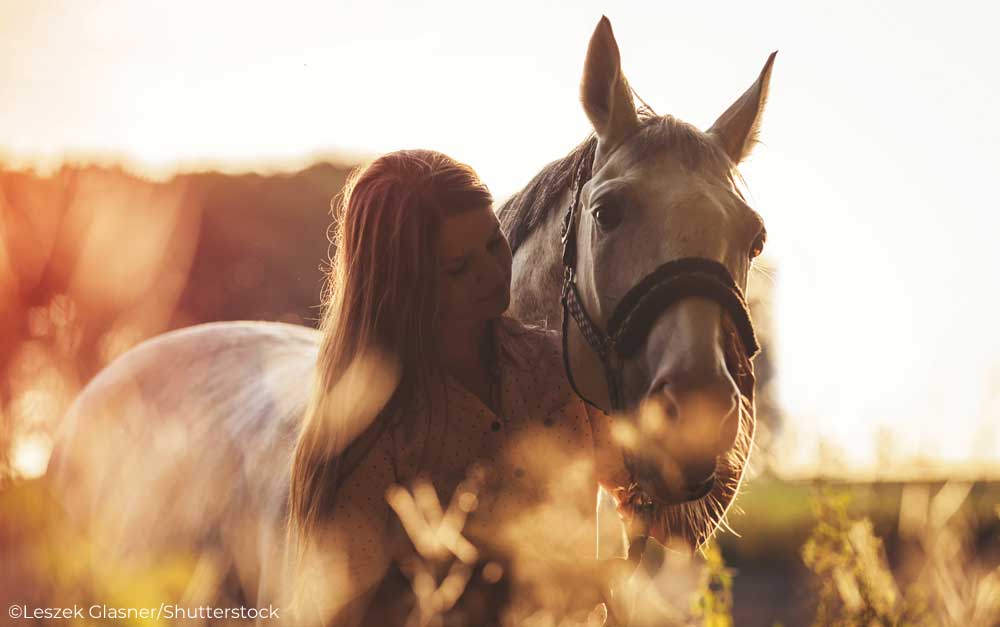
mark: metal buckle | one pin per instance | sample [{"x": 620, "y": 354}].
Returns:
[
  {"x": 564, "y": 231},
  {"x": 569, "y": 276}
]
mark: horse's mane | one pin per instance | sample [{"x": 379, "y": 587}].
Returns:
[{"x": 523, "y": 212}]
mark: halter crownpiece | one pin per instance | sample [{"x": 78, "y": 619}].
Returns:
[{"x": 633, "y": 317}]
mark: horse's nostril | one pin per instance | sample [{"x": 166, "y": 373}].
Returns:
[
  {"x": 667, "y": 399},
  {"x": 670, "y": 406},
  {"x": 705, "y": 408}
]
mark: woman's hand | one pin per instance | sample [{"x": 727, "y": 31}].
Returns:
[{"x": 639, "y": 513}]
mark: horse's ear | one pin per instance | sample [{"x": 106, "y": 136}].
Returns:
[
  {"x": 605, "y": 94},
  {"x": 738, "y": 127}
]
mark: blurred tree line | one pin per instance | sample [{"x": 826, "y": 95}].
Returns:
[{"x": 94, "y": 260}]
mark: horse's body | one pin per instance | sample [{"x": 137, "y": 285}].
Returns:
[
  {"x": 184, "y": 442},
  {"x": 183, "y": 445}
]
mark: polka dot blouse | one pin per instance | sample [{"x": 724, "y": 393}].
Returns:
[{"x": 544, "y": 455}]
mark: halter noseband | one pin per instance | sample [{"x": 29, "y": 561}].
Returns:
[{"x": 634, "y": 316}]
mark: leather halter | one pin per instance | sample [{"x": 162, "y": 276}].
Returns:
[{"x": 634, "y": 316}]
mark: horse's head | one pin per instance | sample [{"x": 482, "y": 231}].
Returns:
[{"x": 661, "y": 190}]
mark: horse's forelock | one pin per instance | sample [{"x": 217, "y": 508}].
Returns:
[{"x": 694, "y": 150}]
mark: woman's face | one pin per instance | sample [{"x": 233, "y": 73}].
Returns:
[{"x": 474, "y": 267}]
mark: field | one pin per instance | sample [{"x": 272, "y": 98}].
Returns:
[
  {"x": 940, "y": 555},
  {"x": 772, "y": 584}
]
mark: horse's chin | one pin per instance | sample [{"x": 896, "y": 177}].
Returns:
[
  {"x": 702, "y": 490},
  {"x": 687, "y": 519},
  {"x": 674, "y": 497}
]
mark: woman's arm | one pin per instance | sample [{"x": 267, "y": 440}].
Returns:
[{"x": 356, "y": 554}]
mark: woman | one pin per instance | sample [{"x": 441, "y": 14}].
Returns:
[{"x": 417, "y": 291}]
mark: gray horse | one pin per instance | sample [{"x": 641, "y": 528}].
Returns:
[
  {"x": 183, "y": 444},
  {"x": 661, "y": 191}
]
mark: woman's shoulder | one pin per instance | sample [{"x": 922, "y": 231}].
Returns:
[
  {"x": 528, "y": 346},
  {"x": 536, "y": 353}
]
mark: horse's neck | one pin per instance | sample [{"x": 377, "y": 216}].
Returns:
[{"x": 537, "y": 273}]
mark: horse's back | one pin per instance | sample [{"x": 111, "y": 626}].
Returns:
[{"x": 183, "y": 444}]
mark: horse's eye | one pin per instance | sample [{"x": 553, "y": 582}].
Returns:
[
  {"x": 608, "y": 216},
  {"x": 758, "y": 245}
]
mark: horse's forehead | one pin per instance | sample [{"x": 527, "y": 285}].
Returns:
[{"x": 662, "y": 177}]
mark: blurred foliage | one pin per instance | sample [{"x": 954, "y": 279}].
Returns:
[
  {"x": 770, "y": 418},
  {"x": 714, "y": 603},
  {"x": 950, "y": 582},
  {"x": 935, "y": 556},
  {"x": 856, "y": 586},
  {"x": 94, "y": 260}
]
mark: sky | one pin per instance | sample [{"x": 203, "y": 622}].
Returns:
[{"x": 874, "y": 177}]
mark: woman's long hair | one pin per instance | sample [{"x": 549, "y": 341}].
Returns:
[{"x": 378, "y": 324}]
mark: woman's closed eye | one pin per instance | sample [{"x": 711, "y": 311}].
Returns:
[
  {"x": 457, "y": 270},
  {"x": 458, "y": 267}
]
